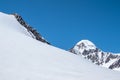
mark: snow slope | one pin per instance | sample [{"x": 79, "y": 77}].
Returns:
[{"x": 24, "y": 58}]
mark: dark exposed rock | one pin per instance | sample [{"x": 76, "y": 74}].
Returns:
[
  {"x": 115, "y": 65},
  {"x": 110, "y": 56},
  {"x": 85, "y": 52},
  {"x": 32, "y": 31}
]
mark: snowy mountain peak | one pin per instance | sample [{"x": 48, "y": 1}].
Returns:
[
  {"x": 82, "y": 46},
  {"x": 89, "y": 51},
  {"x": 86, "y": 44}
]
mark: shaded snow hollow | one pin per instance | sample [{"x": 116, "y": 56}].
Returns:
[{"x": 24, "y": 58}]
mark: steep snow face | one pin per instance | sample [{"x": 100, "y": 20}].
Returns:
[
  {"x": 88, "y": 50},
  {"x": 25, "y": 58},
  {"x": 9, "y": 21}
]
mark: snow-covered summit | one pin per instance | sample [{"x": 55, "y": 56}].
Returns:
[
  {"x": 88, "y": 50},
  {"x": 83, "y": 45},
  {"x": 86, "y": 44}
]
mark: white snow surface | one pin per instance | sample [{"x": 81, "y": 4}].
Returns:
[
  {"x": 87, "y": 44},
  {"x": 24, "y": 58},
  {"x": 82, "y": 45}
]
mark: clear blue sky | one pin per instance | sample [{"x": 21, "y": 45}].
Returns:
[{"x": 65, "y": 22}]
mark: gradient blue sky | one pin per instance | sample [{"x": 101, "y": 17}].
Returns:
[{"x": 64, "y": 22}]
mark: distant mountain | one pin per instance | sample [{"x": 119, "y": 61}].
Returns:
[{"x": 88, "y": 50}]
